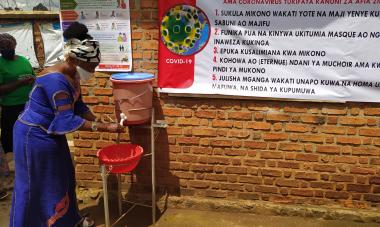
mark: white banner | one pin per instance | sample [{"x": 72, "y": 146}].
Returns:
[
  {"x": 301, "y": 49},
  {"x": 41, "y": 5},
  {"x": 53, "y": 42},
  {"x": 23, "y": 32}
]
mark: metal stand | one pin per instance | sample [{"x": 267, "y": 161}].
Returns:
[{"x": 153, "y": 125}]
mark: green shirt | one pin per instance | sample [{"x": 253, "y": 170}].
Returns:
[{"x": 12, "y": 70}]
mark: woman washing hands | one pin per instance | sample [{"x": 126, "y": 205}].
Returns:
[{"x": 44, "y": 192}]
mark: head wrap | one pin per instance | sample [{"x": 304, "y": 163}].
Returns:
[
  {"x": 6, "y": 41},
  {"x": 85, "y": 50}
]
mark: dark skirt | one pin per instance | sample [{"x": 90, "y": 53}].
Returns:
[
  {"x": 9, "y": 115},
  {"x": 44, "y": 191}
]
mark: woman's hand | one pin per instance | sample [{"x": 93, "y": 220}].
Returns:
[
  {"x": 114, "y": 127},
  {"x": 9, "y": 87},
  {"x": 27, "y": 79}
]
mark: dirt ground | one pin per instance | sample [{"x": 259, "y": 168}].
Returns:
[
  {"x": 91, "y": 202},
  {"x": 141, "y": 217}
]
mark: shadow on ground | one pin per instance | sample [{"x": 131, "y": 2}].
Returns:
[{"x": 138, "y": 216}]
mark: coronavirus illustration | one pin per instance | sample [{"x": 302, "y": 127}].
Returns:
[{"x": 185, "y": 29}]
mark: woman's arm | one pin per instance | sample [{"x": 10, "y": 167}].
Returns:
[
  {"x": 102, "y": 127},
  {"x": 9, "y": 87},
  {"x": 89, "y": 116}
]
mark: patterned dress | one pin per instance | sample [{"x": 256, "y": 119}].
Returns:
[{"x": 44, "y": 191}]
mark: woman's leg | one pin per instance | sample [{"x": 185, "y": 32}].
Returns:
[
  {"x": 9, "y": 115},
  {"x": 4, "y": 174},
  {"x": 3, "y": 190}
]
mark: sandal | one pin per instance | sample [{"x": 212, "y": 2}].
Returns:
[
  {"x": 3, "y": 195},
  {"x": 86, "y": 222}
]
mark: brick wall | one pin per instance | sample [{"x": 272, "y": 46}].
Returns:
[{"x": 280, "y": 151}]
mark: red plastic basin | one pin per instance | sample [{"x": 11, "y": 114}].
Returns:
[{"x": 120, "y": 158}]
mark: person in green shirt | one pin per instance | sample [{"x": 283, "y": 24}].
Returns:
[{"x": 16, "y": 80}]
